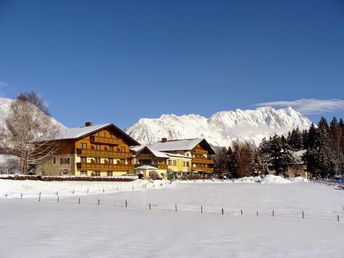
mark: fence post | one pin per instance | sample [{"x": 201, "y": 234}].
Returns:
[
  {"x": 175, "y": 207},
  {"x": 103, "y": 190},
  {"x": 39, "y": 196},
  {"x": 201, "y": 209},
  {"x": 73, "y": 191},
  {"x": 58, "y": 199},
  {"x": 79, "y": 200},
  {"x": 57, "y": 193},
  {"x": 150, "y": 206},
  {"x": 303, "y": 214},
  {"x": 98, "y": 202},
  {"x": 222, "y": 211},
  {"x": 21, "y": 196},
  {"x": 126, "y": 204},
  {"x": 257, "y": 214},
  {"x": 133, "y": 188},
  {"x": 273, "y": 213},
  {"x": 338, "y": 217},
  {"x": 88, "y": 190},
  {"x": 241, "y": 212}
]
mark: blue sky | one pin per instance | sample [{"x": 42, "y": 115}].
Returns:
[{"x": 118, "y": 61}]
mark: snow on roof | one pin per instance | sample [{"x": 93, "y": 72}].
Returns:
[
  {"x": 75, "y": 133},
  {"x": 156, "y": 153},
  {"x": 72, "y": 133},
  {"x": 146, "y": 167},
  {"x": 297, "y": 155},
  {"x": 175, "y": 145},
  {"x": 177, "y": 155}
]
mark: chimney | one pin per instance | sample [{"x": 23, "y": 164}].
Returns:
[
  {"x": 88, "y": 123},
  {"x": 163, "y": 139}
]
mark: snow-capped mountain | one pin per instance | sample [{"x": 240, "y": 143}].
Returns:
[{"x": 221, "y": 128}]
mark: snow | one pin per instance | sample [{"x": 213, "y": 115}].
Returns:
[
  {"x": 73, "y": 133},
  {"x": 48, "y": 228},
  {"x": 222, "y": 127},
  {"x": 184, "y": 144},
  {"x": 156, "y": 153}
]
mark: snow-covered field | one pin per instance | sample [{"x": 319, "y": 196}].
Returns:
[{"x": 47, "y": 228}]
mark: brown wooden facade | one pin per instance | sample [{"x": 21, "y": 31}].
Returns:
[
  {"x": 104, "y": 152},
  {"x": 201, "y": 160}
]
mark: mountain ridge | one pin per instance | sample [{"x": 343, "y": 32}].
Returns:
[{"x": 221, "y": 128}]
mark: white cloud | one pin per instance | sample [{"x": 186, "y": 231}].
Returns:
[{"x": 308, "y": 106}]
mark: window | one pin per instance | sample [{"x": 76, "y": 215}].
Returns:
[
  {"x": 104, "y": 134},
  {"x": 110, "y": 148},
  {"x": 122, "y": 149},
  {"x": 174, "y": 163},
  {"x": 83, "y": 159},
  {"x": 110, "y": 160},
  {"x": 170, "y": 162},
  {"x": 187, "y": 164},
  {"x": 122, "y": 161},
  {"x": 106, "y": 148},
  {"x": 64, "y": 161},
  {"x": 97, "y": 173},
  {"x": 83, "y": 173},
  {"x": 54, "y": 160},
  {"x": 97, "y": 160},
  {"x": 109, "y": 173},
  {"x": 83, "y": 146},
  {"x": 96, "y": 134},
  {"x": 97, "y": 147},
  {"x": 183, "y": 163}
]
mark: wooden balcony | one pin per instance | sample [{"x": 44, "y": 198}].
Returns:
[
  {"x": 203, "y": 160},
  {"x": 107, "y": 140},
  {"x": 199, "y": 151},
  {"x": 104, "y": 167},
  {"x": 104, "y": 153},
  {"x": 202, "y": 169}
]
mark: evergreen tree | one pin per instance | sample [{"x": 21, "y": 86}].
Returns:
[
  {"x": 277, "y": 153},
  {"x": 295, "y": 139}
]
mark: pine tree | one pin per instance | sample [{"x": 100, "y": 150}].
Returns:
[{"x": 277, "y": 153}]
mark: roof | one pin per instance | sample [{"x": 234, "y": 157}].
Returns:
[
  {"x": 181, "y": 145},
  {"x": 146, "y": 167},
  {"x": 297, "y": 155},
  {"x": 177, "y": 155},
  {"x": 156, "y": 153},
  {"x": 79, "y": 132}
]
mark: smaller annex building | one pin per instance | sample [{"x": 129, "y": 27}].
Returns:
[
  {"x": 185, "y": 158},
  {"x": 91, "y": 150}
]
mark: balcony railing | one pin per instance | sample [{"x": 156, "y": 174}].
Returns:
[
  {"x": 202, "y": 169},
  {"x": 199, "y": 160},
  {"x": 199, "y": 151},
  {"x": 108, "y": 140},
  {"x": 104, "y": 167},
  {"x": 104, "y": 153}
]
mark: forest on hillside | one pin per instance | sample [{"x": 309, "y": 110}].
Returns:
[{"x": 322, "y": 145}]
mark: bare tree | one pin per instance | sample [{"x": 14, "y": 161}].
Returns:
[
  {"x": 33, "y": 98},
  {"x": 243, "y": 159},
  {"x": 25, "y": 123}
]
